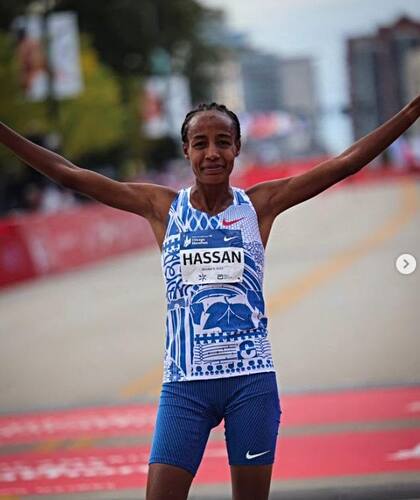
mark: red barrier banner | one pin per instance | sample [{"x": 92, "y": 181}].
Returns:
[
  {"x": 69, "y": 239},
  {"x": 258, "y": 173},
  {"x": 15, "y": 261},
  {"x": 38, "y": 245}
]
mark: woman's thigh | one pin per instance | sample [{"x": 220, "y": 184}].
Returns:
[
  {"x": 182, "y": 428},
  {"x": 252, "y": 421},
  {"x": 167, "y": 482},
  {"x": 250, "y": 482}
]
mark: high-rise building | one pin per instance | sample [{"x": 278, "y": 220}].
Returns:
[
  {"x": 413, "y": 85},
  {"x": 261, "y": 81},
  {"x": 228, "y": 85},
  {"x": 378, "y": 75},
  {"x": 299, "y": 97}
]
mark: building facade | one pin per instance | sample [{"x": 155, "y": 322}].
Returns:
[{"x": 381, "y": 82}]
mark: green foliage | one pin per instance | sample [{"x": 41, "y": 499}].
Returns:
[
  {"x": 128, "y": 33},
  {"x": 28, "y": 118},
  {"x": 93, "y": 121},
  {"x": 125, "y": 32},
  {"x": 123, "y": 36}
]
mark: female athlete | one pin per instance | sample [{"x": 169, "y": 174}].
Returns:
[{"x": 218, "y": 362}]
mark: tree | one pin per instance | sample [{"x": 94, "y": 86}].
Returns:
[
  {"x": 127, "y": 34},
  {"x": 124, "y": 38},
  {"x": 90, "y": 123}
]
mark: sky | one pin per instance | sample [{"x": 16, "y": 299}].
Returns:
[{"x": 316, "y": 28}]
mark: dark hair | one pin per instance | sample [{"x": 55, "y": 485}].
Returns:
[{"x": 208, "y": 107}]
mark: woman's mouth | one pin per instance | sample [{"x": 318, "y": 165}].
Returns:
[{"x": 212, "y": 169}]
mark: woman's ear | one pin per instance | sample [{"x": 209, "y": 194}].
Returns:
[
  {"x": 238, "y": 147},
  {"x": 185, "y": 149}
]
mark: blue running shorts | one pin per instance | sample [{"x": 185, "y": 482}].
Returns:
[{"x": 189, "y": 410}]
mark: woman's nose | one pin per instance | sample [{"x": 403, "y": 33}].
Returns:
[{"x": 212, "y": 152}]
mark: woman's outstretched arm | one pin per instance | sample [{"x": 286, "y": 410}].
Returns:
[
  {"x": 148, "y": 200},
  {"x": 273, "y": 197}
]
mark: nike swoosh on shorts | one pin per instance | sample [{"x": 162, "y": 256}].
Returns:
[{"x": 255, "y": 455}]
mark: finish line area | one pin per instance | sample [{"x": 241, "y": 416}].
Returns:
[
  {"x": 81, "y": 363},
  {"x": 332, "y": 435}
]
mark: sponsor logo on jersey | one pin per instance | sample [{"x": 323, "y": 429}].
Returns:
[{"x": 228, "y": 223}]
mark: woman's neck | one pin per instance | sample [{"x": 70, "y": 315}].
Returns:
[{"x": 211, "y": 198}]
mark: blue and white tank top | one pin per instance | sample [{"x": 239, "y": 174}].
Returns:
[{"x": 213, "y": 270}]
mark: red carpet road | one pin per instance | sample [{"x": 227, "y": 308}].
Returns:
[
  {"x": 368, "y": 405},
  {"x": 327, "y": 452}
]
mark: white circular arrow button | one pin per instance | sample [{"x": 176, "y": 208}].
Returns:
[{"x": 406, "y": 263}]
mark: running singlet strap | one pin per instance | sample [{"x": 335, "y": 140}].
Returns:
[{"x": 213, "y": 270}]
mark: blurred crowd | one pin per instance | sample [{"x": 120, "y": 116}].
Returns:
[{"x": 43, "y": 196}]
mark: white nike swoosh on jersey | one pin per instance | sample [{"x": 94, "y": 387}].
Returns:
[
  {"x": 250, "y": 457},
  {"x": 229, "y": 238}
]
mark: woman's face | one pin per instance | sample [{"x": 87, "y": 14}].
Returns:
[{"x": 211, "y": 146}]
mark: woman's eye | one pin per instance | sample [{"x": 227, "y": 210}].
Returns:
[{"x": 199, "y": 144}]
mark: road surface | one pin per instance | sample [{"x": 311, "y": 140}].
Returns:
[{"x": 80, "y": 362}]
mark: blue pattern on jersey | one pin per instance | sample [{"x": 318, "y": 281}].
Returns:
[{"x": 214, "y": 330}]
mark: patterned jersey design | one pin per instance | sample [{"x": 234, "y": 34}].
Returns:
[{"x": 219, "y": 329}]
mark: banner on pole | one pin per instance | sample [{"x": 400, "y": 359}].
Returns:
[
  {"x": 63, "y": 55},
  {"x": 166, "y": 102}
]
